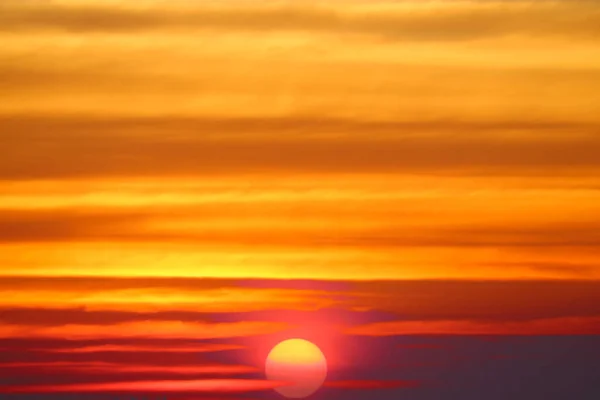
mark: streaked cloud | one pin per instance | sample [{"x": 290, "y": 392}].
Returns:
[
  {"x": 102, "y": 348},
  {"x": 115, "y": 368},
  {"x": 554, "y": 326},
  {"x": 465, "y": 20},
  {"x": 369, "y": 385},
  {"x": 150, "y": 329},
  {"x": 186, "y": 386},
  {"x": 416, "y": 304},
  {"x": 48, "y": 149},
  {"x": 89, "y": 301},
  {"x": 270, "y": 232},
  {"x": 462, "y": 60}
]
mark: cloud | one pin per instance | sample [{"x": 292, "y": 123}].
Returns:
[
  {"x": 41, "y": 316},
  {"x": 214, "y": 225},
  {"x": 97, "y": 367},
  {"x": 370, "y": 385},
  {"x": 119, "y": 300},
  {"x": 356, "y": 303},
  {"x": 186, "y": 386},
  {"x": 422, "y": 346},
  {"x": 132, "y": 348},
  {"x": 145, "y": 329},
  {"x": 131, "y": 351},
  {"x": 46, "y": 316},
  {"x": 553, "y": 326},
  {"x": 50, "y": 148},
  {"x": 480, "y": 300},
  {"x": 442, "y": 22},
  {"x": 576, "y": 270}
]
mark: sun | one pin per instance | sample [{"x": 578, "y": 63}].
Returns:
[{"x": 299, "y": 363}]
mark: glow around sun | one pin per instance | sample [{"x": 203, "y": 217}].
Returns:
[{"x": 299, "y": 363}]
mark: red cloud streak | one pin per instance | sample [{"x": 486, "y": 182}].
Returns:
[
  {"x": 204, "y": 348},
  {"x": 208, "y": 385},
  {"x": 123, "y": 368}
]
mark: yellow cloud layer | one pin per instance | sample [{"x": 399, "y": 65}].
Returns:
[
  {"x": 477, "y": 60},
  {"x": 352, "y": 140}
]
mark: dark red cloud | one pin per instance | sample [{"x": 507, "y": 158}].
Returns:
[
  {"x": 421, "y": 346},
  {"x": 545, "y": 326},
  {"x": 372, "y": 384}
]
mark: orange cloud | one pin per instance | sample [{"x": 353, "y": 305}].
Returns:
[
  {"x": 215, "y": 225},
  {"x": 65, "y": 306},
  {"x": 364, "y": 147},
  {"x": 139, "y": 297},
  {"x": 147, "y": 329},
  {"x": 437, "y": 23}
]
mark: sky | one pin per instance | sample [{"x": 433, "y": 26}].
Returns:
[{"x": 414, "y": 186}]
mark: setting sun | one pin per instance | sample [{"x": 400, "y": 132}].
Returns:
[{"x": 300, "y": 364}]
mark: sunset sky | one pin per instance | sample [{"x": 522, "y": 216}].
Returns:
[{"x": 184, "y": 183}]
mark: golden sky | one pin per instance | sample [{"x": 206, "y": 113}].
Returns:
[
  {"x": 183, "y": 177},
  {"x": 339, "y": 140}
]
